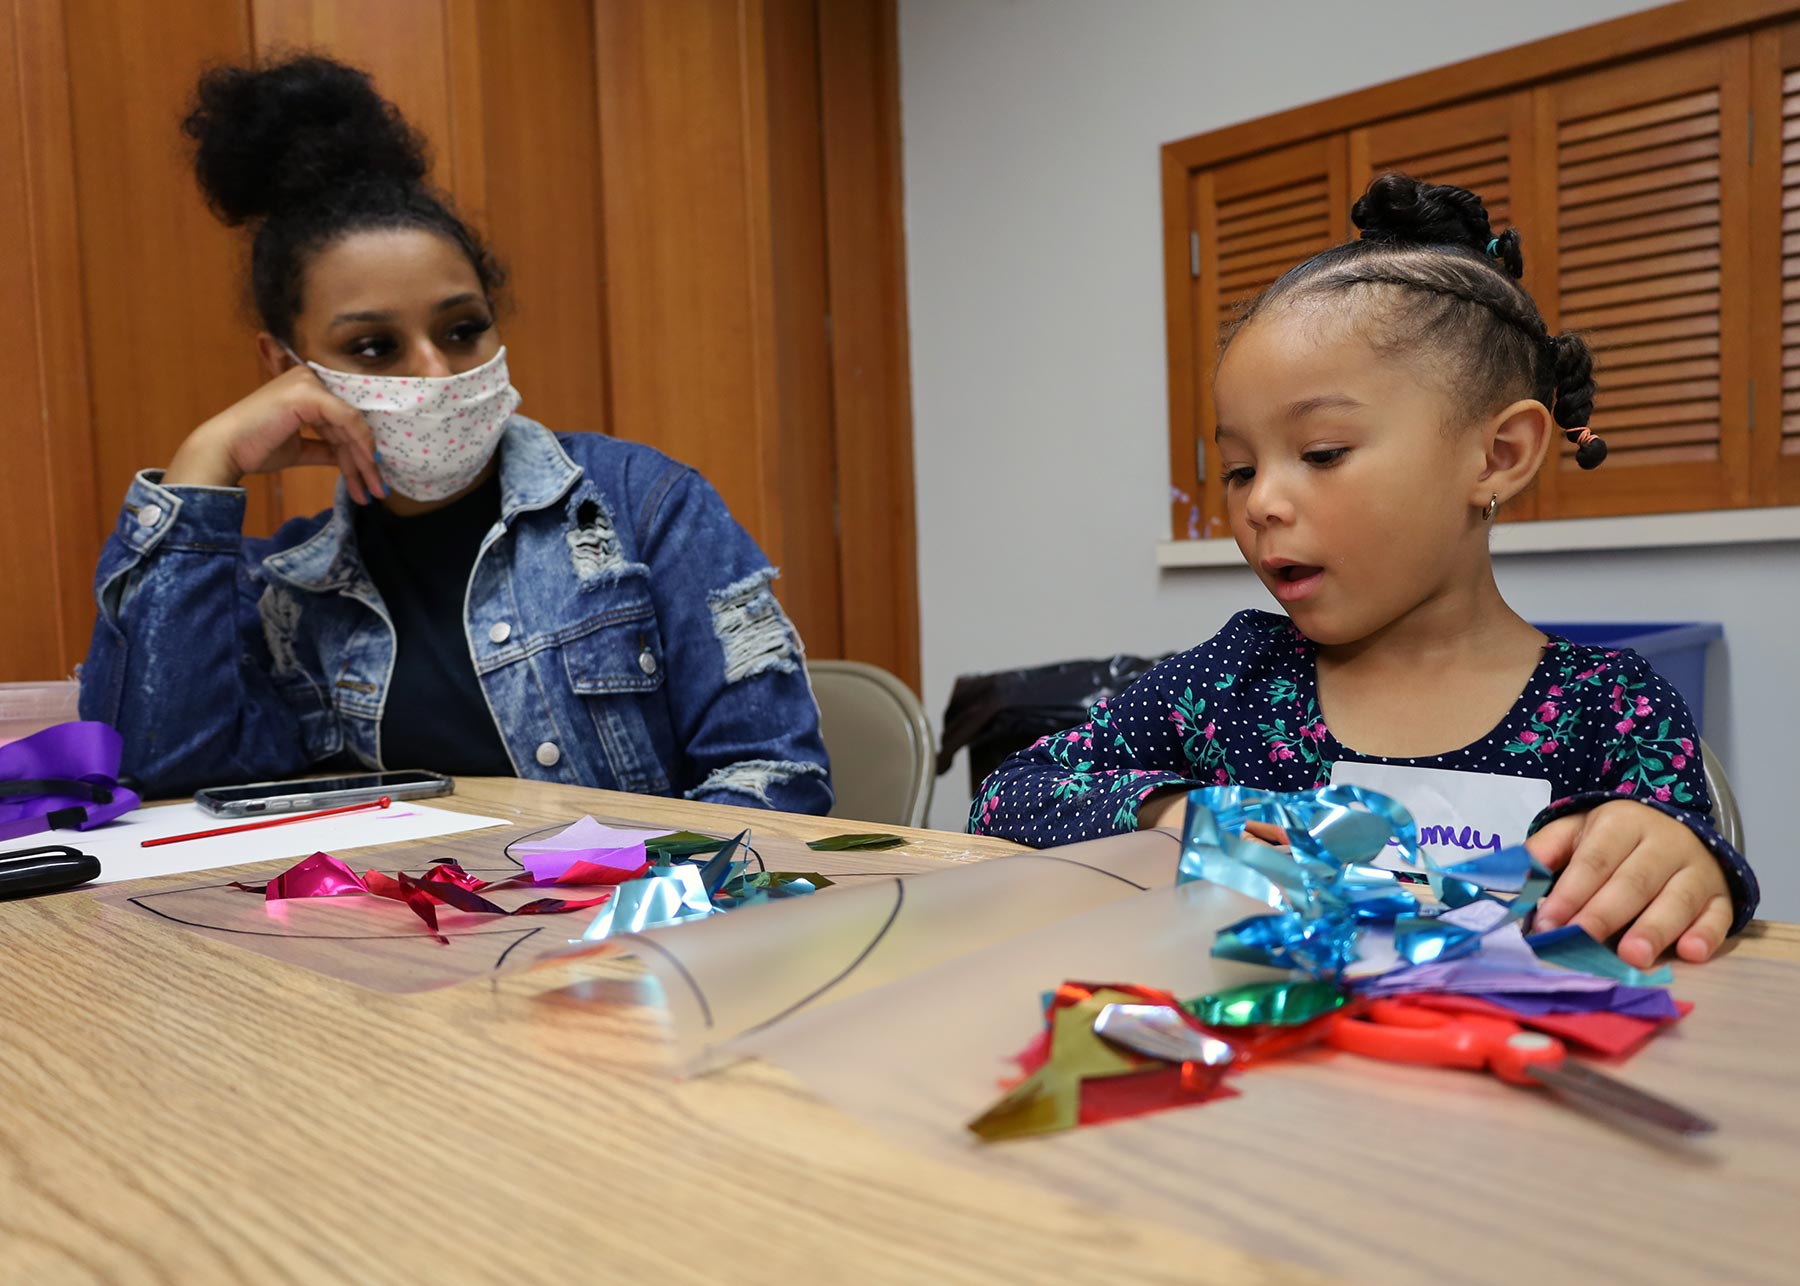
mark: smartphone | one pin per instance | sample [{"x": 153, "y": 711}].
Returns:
[{"x": 320, "y": 792}]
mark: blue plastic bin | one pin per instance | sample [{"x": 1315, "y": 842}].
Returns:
[{"x": 1675, "y": 651}]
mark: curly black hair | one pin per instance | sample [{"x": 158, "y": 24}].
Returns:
[
  {"x": 306, "y": 151},
  {"x": 1453, "y": 289}
]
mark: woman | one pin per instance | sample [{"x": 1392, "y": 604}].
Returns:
[{"x": 485, "y": 596}]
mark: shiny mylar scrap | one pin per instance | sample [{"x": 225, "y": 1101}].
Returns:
[
  {"x": 325, "y": 876},
  {"x": 675, "y": 893},
  {"x": 1267, "y": 1003},
  {"x": 1573, "y": 947},
  {"x": 1078, "y": 1078},
  {"x": 1322, "y": 889}
]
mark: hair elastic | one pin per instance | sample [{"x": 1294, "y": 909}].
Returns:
[
  {"x": 1493, "y": 249},
  {"x": 1590, "y": 447}
]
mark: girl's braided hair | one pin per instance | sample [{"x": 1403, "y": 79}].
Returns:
[{"x": 1455, "y": 291}]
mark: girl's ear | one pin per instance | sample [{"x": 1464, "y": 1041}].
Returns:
[
  {"x": 273, "y": 354},
  {"x": 1514, "y": 443}
]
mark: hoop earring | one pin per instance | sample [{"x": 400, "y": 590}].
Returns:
[{"x": 1487, "y": 514}]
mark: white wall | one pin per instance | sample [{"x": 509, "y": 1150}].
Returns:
[{"x": 1033, "y": 227}]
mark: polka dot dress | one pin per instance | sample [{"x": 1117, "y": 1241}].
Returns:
[{"x": 1243, "y": 708}]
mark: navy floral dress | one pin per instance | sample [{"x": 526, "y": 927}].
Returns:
[{"x": 1243, "y": 708}]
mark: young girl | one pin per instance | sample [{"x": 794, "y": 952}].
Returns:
[
  {"x": 1376, "y": 406},
  {"x": 486, "y": 596}
]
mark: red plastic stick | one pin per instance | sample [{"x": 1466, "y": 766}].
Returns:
[{"x": 383, "y": 802}]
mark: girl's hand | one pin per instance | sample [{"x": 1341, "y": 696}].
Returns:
[
  {"x": 1626, "y": 863},
  {"x": 289, "y": 421}
]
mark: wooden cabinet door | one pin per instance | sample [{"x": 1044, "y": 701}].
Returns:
[
  {"x": 1648, "y": 169},
  {"x": 1775, "y": 271},
  {"x": 1249, "y": 221},
  {"x": 1485, "y": 146}
]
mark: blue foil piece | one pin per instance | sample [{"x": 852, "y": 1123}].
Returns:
[
  {"x": 1323, "y": 886},
  {"x": 1572, "y": 947},
  {"x": 1421, "y": 941},
  {"x": 668, "y": 895}
]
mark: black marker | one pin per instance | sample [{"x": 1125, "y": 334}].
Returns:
[{"x": 45, "y": 870}]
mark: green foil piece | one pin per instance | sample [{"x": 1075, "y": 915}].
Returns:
[
  {"x": 872, "y": 843},
  {"x": 684, "y": 844},
  {"x": 1276, "y": 1004}
]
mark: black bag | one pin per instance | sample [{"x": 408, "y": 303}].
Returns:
[{"x": 997, "y": 714}]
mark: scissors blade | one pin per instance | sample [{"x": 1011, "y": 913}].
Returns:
[{"x": 1586, "y": 1087}]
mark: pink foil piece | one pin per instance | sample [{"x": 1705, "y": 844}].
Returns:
[
  {"x": 318, "y": 876},
  {"x": 324, "y": 876}
]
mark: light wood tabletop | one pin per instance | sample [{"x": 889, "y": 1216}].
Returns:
[{"x": 177, "y": 1110}]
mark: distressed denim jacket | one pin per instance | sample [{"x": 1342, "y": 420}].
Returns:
[{"x": 622, "y": 625}]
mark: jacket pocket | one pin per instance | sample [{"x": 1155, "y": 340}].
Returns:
[
  {"x": 615, "y": 666},
  {"x": 321, "y": 733}
]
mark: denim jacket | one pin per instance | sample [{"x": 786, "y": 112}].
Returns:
[{"x": 622, "y": 625}]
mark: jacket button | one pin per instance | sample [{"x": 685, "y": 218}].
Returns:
[
  {"x": 499, "y": 633},
  {"x": 646, "y": 662},
  {"x": 548, "y": 755},
  {"x": 149, "y": 515}
]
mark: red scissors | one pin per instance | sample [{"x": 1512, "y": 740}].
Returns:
[{"x": 1400, "y": 1032}]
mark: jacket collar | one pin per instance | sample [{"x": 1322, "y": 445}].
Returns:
[{"x": 535, "y": 472}]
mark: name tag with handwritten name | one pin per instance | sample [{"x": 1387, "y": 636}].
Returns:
[{"x": 1460, "y": 814}]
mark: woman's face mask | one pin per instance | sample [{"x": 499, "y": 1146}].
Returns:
[{"x": 433, "y": 436}]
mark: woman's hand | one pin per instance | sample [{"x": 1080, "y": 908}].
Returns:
[
  {"x": 1625, "y": 863},
  {"x": 289, "y": 421}
]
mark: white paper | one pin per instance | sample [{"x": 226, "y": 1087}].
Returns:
[
  {"x": 1461, "y": 815},
  {"x": 118, "y": 844}
]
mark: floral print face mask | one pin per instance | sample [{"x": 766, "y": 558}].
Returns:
[{"x": 433, "y": 436}]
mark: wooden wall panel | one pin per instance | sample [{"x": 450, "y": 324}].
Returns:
[
  {"x": 34, "y": 643},
  {"x": 694, "y": 304},
  {"x": 793, "y": 281},
  {"x": 169, "y": 343},
  {"x": 859, "y": 71},
  {"x": 536, "y": 114}
]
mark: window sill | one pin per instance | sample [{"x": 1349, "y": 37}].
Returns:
[{"x": 1567, "y": 535}]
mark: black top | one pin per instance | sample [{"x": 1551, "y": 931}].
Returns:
[{"x": 436, "y": 716}]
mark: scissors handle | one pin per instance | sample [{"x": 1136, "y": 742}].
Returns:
[{"x": 1402, "y": 1033}]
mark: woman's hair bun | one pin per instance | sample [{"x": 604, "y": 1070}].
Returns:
[
  {"x": 1409, "y": 211},
  {"x": 280, "y": 135}
]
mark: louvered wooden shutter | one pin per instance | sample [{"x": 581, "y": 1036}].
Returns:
[
  {"x": 1651, "y": 262},
  {"x": 1775, "y": 241},
  {"x": 1484, "y": 146},
  {"x": 1251, "y": 221}
]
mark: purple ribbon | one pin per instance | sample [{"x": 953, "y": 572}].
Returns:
[{"x": 82, "y": 751}]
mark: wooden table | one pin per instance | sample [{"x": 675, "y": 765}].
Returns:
[{"x": 175, "y": 1110}]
